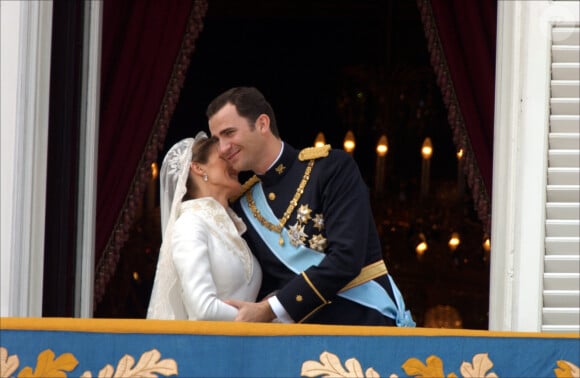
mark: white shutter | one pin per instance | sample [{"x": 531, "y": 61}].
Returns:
[{"x": 561, "y": 289}]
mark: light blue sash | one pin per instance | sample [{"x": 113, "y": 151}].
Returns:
[{"x": 298, "y": 259}]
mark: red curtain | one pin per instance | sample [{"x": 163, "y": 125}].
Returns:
[
  {"x": 461, "y": 38},
  {"x": 146, "y": 46}
]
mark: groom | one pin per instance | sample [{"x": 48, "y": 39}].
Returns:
[{"x": 309, "y": 223}]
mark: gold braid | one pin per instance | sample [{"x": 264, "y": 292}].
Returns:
[{"x": 278, "y": 227}]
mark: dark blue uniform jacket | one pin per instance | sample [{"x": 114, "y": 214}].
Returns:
[{"x": 337, "y": 194}]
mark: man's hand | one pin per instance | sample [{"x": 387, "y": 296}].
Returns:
[{"x": 252, "y": 312}]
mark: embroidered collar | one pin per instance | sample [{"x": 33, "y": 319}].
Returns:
[
  {"x": 209, "y": 208},
  {"x": 288, "y": 157}
]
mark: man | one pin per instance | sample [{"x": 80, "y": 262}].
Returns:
[{"x": 309, "y": 223}]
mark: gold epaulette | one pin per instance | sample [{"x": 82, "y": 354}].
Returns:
[
  {"x": 310, "y": 153},
  {"x": 245, "y": 187}
]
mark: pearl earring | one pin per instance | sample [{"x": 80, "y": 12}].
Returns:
[{"x": 205, "y": 177}]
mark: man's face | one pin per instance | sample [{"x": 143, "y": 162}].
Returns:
[{"x": 240, "y": 143}]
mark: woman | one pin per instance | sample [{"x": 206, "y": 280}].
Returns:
[{"x": 203, "y": 259}]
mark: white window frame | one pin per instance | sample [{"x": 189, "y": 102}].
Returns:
[
  {"x": 23, "y": 229},
  {"x": 88, "y": 158},
  {"x": 25, "y": 90},
  {"x": 520, "y": 159}
]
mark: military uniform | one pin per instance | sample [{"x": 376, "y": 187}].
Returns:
[{"x": 321, "y": 199}]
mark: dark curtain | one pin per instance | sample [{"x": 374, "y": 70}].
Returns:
[
  {"x": 461, "y": 38},
  {"x": 146, "y": 47}
]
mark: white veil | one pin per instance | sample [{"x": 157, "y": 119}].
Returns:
[{"x": 166, "y": 302}]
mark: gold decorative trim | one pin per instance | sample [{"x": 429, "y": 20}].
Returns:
[
  {"x": 245, "y": 187},
  {"x": 150, "y": 364},
  {"x": 312, "y": 312},
  {"x": 187, "y": 327},
  {"x": 367, "y": 273},
  {"x": 278, "y": 228},
  {"x": 310, "y": 153},
  {"x": 314, "y": 288},
  {"x": 481, "y": 365},
  {"x": 331, "y": 366}
]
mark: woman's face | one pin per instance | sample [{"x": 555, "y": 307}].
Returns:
[{"x": 221, "y": 174}]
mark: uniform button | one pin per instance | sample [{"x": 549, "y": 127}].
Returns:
[
  {"x": 271, "y": 196},
  {"x": 299, "y": 298}
]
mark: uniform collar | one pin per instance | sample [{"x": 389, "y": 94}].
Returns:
[{"x": 281, "y": 166}]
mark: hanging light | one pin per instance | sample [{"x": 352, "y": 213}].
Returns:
[
  {"x": 454, "y": 241},
  {"x": 426, "y": 152},
  {"x": 427, "y": 149},
  {"x": 421, "y": 247},
  {"x": 151, "y": 189},
  {"x": 349, "y": 143},
  {"x": 487, "y": 245},
  {"x": 460, "y": 174},
  {"x": 486, "y": 249},
  {"x": 320, "y": 140},
  {"x": 382, "y": 146}
]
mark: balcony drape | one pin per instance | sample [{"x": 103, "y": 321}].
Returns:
[
  {"x": 64, "y": 347},
  {"x": 146, "y": 47},
  {"x": 461, "y": 38}
]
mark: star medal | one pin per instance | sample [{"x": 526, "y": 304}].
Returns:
[
  {"x": 318, "y": 242},
  {"x": 297, "y": 235},
  {"x": 303, "y": 214},
  {"x": 318, "y": 221}
]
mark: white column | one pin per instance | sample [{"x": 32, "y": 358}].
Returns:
[
  {"x": 26, "y": 46},
  {"x": 9, "y": 38},
  {"x": 88, "y": 158}
]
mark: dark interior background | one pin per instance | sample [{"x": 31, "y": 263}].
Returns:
[
  {"x": 325, "y": 67},
  {"x": 334, "y": 66}
]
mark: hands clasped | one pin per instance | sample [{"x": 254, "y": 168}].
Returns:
[{"x": 252, "y": 311}]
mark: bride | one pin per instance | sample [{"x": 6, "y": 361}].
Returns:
[{"x": 203, "y": 260}]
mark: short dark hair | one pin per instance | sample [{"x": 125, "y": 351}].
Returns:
[{"x": 249, "y": 103}]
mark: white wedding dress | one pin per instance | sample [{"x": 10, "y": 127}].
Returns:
[{"x": 210, "y": 262}]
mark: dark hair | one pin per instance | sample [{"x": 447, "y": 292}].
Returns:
[
  {"x": 249, "y": 103},
  {"x": 200, "y": 152}
]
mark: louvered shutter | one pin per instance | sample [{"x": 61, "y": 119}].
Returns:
[{"x": 561, "y": 291}]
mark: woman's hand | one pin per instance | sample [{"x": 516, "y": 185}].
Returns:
[{"x": 252, "y": 311}]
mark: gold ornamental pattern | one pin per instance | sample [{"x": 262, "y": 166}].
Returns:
[
  {"x": 293, "y": 203},
  {"x": 150, "y": 365}
]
